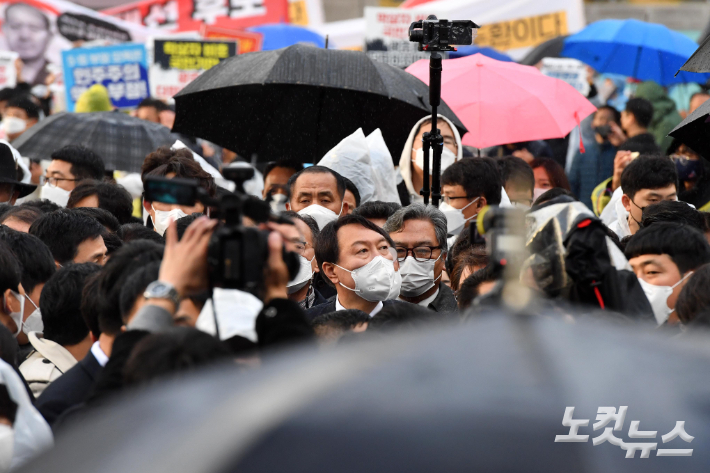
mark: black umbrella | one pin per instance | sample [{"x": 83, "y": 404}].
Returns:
[
  {"x": 299, "y": 102},
  {"x": 550, "y": 48},
  {"x": 488, "y": 396},
  {"x": 700, "y": 60},
  {"x": 694, "y": 131},
  {"x": 121, "y": 140}
]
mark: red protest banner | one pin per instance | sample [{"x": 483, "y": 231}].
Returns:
[{"x": 247, "y": 41}]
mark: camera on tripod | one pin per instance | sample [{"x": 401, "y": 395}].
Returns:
[
  {"x": 237, "y": 254},
  {"x": 433, "y": 34}
]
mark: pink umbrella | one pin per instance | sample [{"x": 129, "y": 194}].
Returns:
[{"x": 504, "y": 102}]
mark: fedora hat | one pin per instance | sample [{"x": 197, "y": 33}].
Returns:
[{"x": 9, "y": 169}]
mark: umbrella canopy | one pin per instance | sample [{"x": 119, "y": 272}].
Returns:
[
  {"x": 283, "y": 35},
  {"x": 644, "y": 51},
  {"x": 550, "y": 48},
  {"x": 695, "y": 130},
  {"x": 488, "y": 395},
  {"x": 700, "y": 60},
  {"x": 301, "y": 101},
  {"x": 504, "y": 102},
  {"x": 463, "y": 51},
  {"x": 121, "y": 140}
]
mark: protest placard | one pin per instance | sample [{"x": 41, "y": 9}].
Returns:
[
  {"x": 572, "y": 71},
  {"x": 122, "y": 69}
]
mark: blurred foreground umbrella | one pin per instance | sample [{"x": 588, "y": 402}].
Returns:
[
  {"x": 550, "y": 48},
  {"x": 301, "y": 101},
  {"x": 283, "y": 35},
  {"x": 488, "y": 395},
  {"x": 700, "y": 60},
  {"x": 121, "y": 140},
  {"x": 504, "y": 102},
  {"x": 694, "y": 131},
  {"x": 644, "y": 51}
]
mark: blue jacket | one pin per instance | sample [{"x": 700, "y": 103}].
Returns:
[{"x": 591, "y": 168}]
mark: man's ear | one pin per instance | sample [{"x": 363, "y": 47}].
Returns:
[
  {"x": 288, "y": 205},
  {"x": 6, "y": 297},
  {"x": 329, "y": 271},
  {"x": 146, "y": 206},
  {"x": 481, "y": 202},
  {"x": 626, "y": 202},
  {"x": 346, "y": 207}
]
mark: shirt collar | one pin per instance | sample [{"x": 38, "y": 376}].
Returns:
[
  {"x": 378, "y": 307},
  {"x": 99, "y": 354}
]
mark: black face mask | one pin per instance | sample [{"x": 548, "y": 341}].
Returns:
[{"x": 688, "y": 169}]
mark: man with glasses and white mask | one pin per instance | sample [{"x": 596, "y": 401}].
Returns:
[
  {"x": 419, "y": 235},
  {"x": 70, "y": 165},
  {"x": 319, "y": 192},
  {"x": 359, "y": 260}
]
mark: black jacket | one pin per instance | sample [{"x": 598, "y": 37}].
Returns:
[
  {"x": 445, "y": 301},
  {"x": 69, "y": 390},
  {"x": 329, "y": 307}
]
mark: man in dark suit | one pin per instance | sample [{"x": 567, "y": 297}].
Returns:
[
  {"x": 419, "y": 234},
  {"x": 358, "y": 258}
]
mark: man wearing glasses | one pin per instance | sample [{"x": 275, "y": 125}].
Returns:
[
  {"x": 70, "y": 165},
  {"x": 419, "y": 235}
]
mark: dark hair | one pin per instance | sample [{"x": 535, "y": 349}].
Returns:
[
  {"x": 516, "y": 171},
  {"x": 282, "y": 327},
  {"x": 641, "y": 109},
  {"x": 615, "y": 113},
  {"x": 25, "y": 102},
  {"x": 477, "y": 176},
  {"x": 327, "y": 247},
  {"x": 8, "y": 347},
  {"x": 111, "y": 197},
  {"x": 180, "y": 162},
  {"x": 469, "y": 287},
  {"x": 36, "y": 261},
  {"x": 60, "y": 304},
  {"x": 45, "y": 206},
  {"x": 157, "y": 104},
  {"x": 339, "y": 180},
  {"x": 183, "y": 222},
  {"x": 5, "y": 208},
  {"x": 137, "y": 231},
  {"x": 64, "y": 230},
  {"x": 7, "y": 93},
  {"x": 122, "y": 264},
  {"x": 112, "y": 243},
  {"x": 401, "y": 315},
  {"x": 551, "y": 194},
  {"x": 307, "y": 219},
  {"x": 469, "y": 257},
  {"x": 135, "y": 285},
  {"x": 85, "y": 163},
  {"x": 694, "y": 298},
  {"x": 23, "y": 214},
  {"x": 177, "y": 350},
  {"x": 673, "y": 211},
  {"x": 376, "y": 210},
  {"x": 648, "y": 172},
  {"x": 104, "y": 217},
  {"x": 11, "y": 269},
  {"x": 91, "y": 304},
  {"x": 350, "y": 186},
  {"x": 555, "y": 172},
  {"x": 342, "y": 319},
  {"x": 686, "y": 246},
  {"x": 8, "y": 407},
  {"x": 291, "y": 164}
]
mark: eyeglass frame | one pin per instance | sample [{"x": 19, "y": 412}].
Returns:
[
  {"x": 47, "y": 180},
  {"x": 411, "y": 251}
]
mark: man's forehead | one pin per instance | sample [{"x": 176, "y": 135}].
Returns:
[
  {"x": 657, "y": 259},
  {"x": 350, "y": 234},
  {"x": 663, "y": 192},
  {"x": 416, "y": 230},
  {"x": 316, "y": 180}
]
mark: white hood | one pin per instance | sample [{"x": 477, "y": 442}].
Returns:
[{"x": 405, "y": 160}]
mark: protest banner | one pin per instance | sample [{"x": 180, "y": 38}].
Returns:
[
  {"x": 122, "y": 69},
  {"x": 247, "y": 41},
  {"x": 8, "y": 71},
  {"x": 572, "y": 71},
  {"x": 305, "y": 12},
  {"x": 387, "y": 36},
  {"x": 56, "y": 25},
  {"x": 190, "y": 15},
  {"x": 176, "y": 63}
]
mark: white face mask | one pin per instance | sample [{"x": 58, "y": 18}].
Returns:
[
  {"x": 13, "y": 125},
  {"x": 33, "y": 323},
  {"x": 376, "y": 281},
  {"x": 320, "y": 214},
  {"x": 17, "y": 316},
  {"x": 305, "y": 273},
  {"x": 455, "y": 221},
  {"x": 55, "y": 194},
  {"x": 658, "y": 298},
  {"x": 7, "y": 446},
  {"x": 537, "y": 192},
  {"x": 163, "y": 218},
  {"x": 447, "y": 158},
  {"x": 417, "y": 276}
]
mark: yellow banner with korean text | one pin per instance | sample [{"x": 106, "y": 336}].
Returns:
[{"x": 522, "y": 32}]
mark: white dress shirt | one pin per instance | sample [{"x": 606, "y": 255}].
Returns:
[{"x": 339, "y": 306}]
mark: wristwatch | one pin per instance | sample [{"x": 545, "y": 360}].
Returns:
[{"x": 162, "y": 290}]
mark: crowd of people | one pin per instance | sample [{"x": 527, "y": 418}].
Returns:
[{"x": 104, "y": 291}]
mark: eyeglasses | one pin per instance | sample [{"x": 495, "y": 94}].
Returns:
[
  {"x": 448, "y": 199},
  {"x": 419, "y": 253},
  {"x": 53, "y": 181}
]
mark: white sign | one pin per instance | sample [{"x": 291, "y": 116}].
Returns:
[
  {"x": 572, "y": 71},
  {"x": 8, "y": 71},
  {"x": 387, "y": 36}
]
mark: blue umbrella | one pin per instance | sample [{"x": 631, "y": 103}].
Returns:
[
  {"x": 471, "y": 50},
  {"x": 644, "y": 51},
  {"x": 282, "y": 35}
]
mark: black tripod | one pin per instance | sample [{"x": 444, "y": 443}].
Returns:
[{"x": 433, "y": 139}]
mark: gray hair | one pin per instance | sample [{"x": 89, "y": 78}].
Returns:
[{"x": 417, "y": 211}]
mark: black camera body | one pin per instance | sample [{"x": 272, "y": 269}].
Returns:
[{"x": 433, "y": 34}]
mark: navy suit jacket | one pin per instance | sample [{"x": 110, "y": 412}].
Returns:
[
  {"x": 329, "y": 307},
  {"x": 69, "y": 390}
]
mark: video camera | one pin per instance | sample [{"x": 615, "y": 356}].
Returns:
[
  {"x": 433, "y": 34},
  {"x": 237, "y": 254}
]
